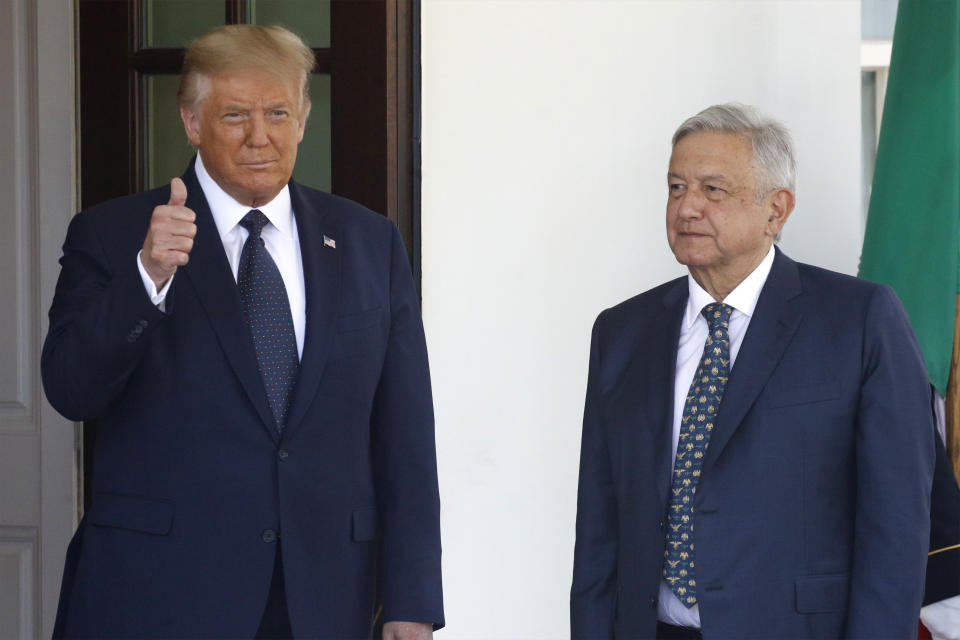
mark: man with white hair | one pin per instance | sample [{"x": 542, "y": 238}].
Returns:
[{"x": 757, "y": 439}]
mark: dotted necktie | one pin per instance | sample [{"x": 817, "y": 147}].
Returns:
[
  {"x": 267, "y": 309},
  {"x": 699, "y": 412}
]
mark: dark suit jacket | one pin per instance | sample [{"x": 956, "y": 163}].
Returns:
[
  {"x": 192, "y": 484},
  {"x": 943, "y": 564},
  {"x": 812, "y": 510}
]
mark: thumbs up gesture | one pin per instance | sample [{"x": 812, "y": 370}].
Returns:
[{"x": 170, "y": 237}]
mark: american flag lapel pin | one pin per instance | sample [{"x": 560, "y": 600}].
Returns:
[{"x": 329, "y": 242}]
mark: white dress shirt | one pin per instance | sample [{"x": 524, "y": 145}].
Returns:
[
  {"x": 280, "y": 237},
  {"x": 693, "y": 335}
]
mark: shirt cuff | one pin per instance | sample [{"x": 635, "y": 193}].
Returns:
[
  {"x": 942, "y": 618},
  {"x": 158, "y": 298}
]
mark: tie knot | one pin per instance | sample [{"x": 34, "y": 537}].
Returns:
[
  {"x": 254, "y": 222},
  {"x": 717, "y": 315}
]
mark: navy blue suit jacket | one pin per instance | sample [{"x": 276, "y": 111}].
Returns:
[
  {"x": 812, "y": 510},
  {"x": 192, "y": 483}
]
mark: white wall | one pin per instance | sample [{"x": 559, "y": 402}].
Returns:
[{"x": 546, "y": 128}]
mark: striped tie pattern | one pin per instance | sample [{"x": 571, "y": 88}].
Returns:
[
  {"x": 699, "y": 412},
  {"x": 267, "y": 311}
]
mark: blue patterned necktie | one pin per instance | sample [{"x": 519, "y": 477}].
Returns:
[
  {"x": 699, "y": 411},
  {"x": 267, "y": 310}
]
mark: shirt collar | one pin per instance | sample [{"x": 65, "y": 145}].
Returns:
[
  {"x": 743, "y": 298},
  {"x": 227, "y": 212}
]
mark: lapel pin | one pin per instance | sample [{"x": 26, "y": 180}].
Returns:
[{"x": 329, "y": 242}]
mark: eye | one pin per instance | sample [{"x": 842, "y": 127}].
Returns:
[
  {"x": 676, "y": 187},
  {"x": 278, "y": 113},
  {"x": 232, "y": 116},
  {"x": 713, "y": 192}
]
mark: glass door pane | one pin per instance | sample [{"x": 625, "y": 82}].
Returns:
[
  {"x": 313, "y": 157},
  {"x": 166, "y": 148},
  {"x": 174, "y": 23},
  {"x": 309, "y": 19}
]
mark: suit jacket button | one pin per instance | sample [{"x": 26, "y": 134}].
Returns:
[
  {"x": 653, "y": 602},
  {"x": 269, "y": 535},
  {"x": 283, "y": 454}
]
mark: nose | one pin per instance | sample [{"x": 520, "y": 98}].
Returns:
[
  {"x": 257, "y": 131},
  {"x": 690, "y": 203}
]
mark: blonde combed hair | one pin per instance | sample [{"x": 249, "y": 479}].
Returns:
[{"x": 234, "y": 47}]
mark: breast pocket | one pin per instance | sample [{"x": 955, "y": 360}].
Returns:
[
  {"x": 359, "y": 332},
  {"x": 789, "y": 395}
]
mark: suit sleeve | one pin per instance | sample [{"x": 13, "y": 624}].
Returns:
[
  {"x": 593, "y": 595},
  {"x": 404, "y": 459},
  {"x": 943, "y": 563},
  {"x": 99, "y": 319},
  {"x": 894, "y": 471}
]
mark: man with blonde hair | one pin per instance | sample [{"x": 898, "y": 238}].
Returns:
[{"x": 253, "y": 354}]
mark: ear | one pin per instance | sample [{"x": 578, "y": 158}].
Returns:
[
  {"x": 780, "y": 207},
  {"x": 302, "y": 125},
  {"x": 304, "y": 114},
  {"x": 191, "y": 124}
]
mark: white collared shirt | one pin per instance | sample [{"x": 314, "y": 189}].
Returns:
[
  {"x": 693, "y": 335},
  {"x": 280, "y": 237}
]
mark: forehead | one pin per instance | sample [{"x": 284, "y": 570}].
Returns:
[
  {"x": 712, "y": 152},
  {"x": 251, "y": 86}
]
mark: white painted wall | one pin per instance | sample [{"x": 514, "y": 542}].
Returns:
[{"x": 546, "y": 128}]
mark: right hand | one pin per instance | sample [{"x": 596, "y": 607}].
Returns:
[{"x": 170, "y": 237}]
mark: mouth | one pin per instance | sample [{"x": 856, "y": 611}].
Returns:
[{"x": 258, "y": 164}]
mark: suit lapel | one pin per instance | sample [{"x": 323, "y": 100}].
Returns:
[
  {"x": 648, "y": 414},
  {"x": 771, "y": 329},
  {"x": 209, "y": 273},
  {"x": 321, "y": 275},
  {"x": 665, "y": 352}
]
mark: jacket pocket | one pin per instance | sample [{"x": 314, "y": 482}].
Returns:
[
  {"x": 130, "y": 512},
  {"x": 358, "y": 321},
  {"x": 822, "y": 594},
  {"x": 804, "y": 394},
  {"x": 364, "y": 525}
]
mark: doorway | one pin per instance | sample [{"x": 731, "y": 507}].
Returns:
[{"x": 361, "y": 141}]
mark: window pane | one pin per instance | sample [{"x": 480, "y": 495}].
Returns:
[
  {"x": 174, "y": 23},
  {"x": 167, "y": 150},
  {"x": 310, "y": 19},
  {"x": 313, "y": 156},
  {"x": 877, "y": 19}
]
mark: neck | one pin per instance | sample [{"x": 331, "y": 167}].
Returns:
[{"x": 719, "y": 281}]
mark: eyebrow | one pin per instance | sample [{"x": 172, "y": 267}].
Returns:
[
  {"x": 706, "y": 178},
  {"x": 713, "y": 178},
  {"x": 246, "y": 107}
]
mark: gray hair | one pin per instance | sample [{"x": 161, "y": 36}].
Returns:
[{"x": 773, "y": 152}]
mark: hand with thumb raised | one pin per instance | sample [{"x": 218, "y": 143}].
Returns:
[{"x": 170, "y": 236}]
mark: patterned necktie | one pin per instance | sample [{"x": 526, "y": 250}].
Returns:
[
  {"x": 267, "y": 309},
  {"x": 699, "y": 412}
]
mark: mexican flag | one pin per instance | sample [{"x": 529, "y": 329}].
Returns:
[{"x": 912, "y": 239}]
